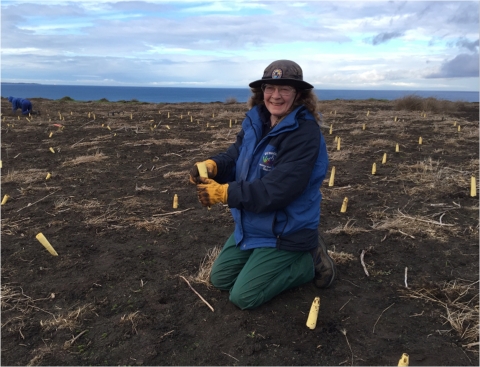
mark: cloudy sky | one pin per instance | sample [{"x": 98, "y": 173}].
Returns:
[{"x": 412, "y": 45}]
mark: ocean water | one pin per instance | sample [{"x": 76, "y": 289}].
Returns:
[{"x": 203, "y": 95}]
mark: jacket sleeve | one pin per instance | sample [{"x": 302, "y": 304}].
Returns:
[
  {"x": 227, "y": 161},
  {"x": 296, "y": 158}
]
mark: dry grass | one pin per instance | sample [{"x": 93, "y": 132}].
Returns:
[
  {"x": 144, "y": 188},
  {"x": 341, "y": 258},
  {"x": 459, "y": 298},
  {"x": 452, "y": 142},
  {"x": 87, "y": 205},
  {"x": 25, "y": 177},
  {"x": 203, "y": 275},
  {"x": 433, "y": 105},
  {"x": 381, "y": 143},
  {"x": 178, "y": 175},
  {"x": 430, "y": 175},
  {"x": 132, "y": 318},
  {"x": 11, "y": 227},
  {"x": 348, "y": 229},
  {"x": 96, "y": 157},
  {"x": 156, "y": 224},
  {"x": 39, "y": 354},
  {"x": 71, "y": 320},
  {"x": 62, "y": 202},
  {"x": 339, "y": 155},
  {"x": 103, "y": 219},
  {"x": 410, "y": 225},
  {"x": 16, "y": 307},
  {"x": 152, "y": 141}
]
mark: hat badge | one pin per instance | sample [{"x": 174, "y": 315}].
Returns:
[{"x": 277, "y": 73}]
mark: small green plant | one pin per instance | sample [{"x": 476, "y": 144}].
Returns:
[
  {"x": 104, "y": 335},
  {"x": 251, "y": 335}
]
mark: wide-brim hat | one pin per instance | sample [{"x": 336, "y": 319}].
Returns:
[{"x": 282, "y": 72}]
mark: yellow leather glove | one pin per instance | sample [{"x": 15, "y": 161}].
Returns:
[
  {"x": 211, "y": 169},
  {"x": 211, "y": 192}
]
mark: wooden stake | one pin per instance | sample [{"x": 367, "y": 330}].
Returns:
[
  {"x": 473, "y": 187},
  {"x": 175, "y": 201},
  {"x": 331, "y": 129},
  {"x": 374, "y": 168},
  {"x": 384, "y": 159},
  {"x": 420, "y": 141},
  {"x": 397, "y": 148},
  {"x": 338, "y": 143}
]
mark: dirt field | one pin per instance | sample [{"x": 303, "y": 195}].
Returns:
[{"x": 115, "y": 295}]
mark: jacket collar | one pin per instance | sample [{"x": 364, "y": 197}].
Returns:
[{"x": 260, "y": 115}]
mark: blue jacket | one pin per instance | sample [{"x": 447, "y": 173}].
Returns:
[
  {"x": 24, "y": 104},
  {"x": 274, "y": 182}
]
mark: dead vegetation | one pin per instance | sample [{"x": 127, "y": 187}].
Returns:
[
  {"x": 459, "y": 299},
  {"x": 155, "y": 224},
  {"x": 434, "y": 105},
  {"x": 203, "y": 275},
  {"x": 349, "y": 229},
  {"x": 28, "y": 176},
  {"x": 96, "y": 157},
  {"x": 411, "y": 225}
]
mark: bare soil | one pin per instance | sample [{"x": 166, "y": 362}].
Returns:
[{"x": 114, "y": 295}]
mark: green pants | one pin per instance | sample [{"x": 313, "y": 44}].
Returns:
[{"x": 253, "y": 277}]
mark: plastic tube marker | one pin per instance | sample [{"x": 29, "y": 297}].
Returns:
[
  {"x": 313, "y": 314},
  {"x": 344, "y": 206},
  {"x": 404, "y": 361},
  {"x": 41, "y": 238},
  {"x": 332, "y": 177}
]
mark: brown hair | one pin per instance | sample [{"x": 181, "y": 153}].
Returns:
[{"x": 306, "y": 97}]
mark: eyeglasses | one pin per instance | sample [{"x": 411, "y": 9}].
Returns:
[{"x": 285, "y": 91}]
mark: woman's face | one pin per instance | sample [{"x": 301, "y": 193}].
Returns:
[{"x": 278, "y": 98}]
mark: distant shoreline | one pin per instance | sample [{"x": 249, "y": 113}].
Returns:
[
  {"x": 202, "y": 87},
  {"x": 205, "y": 95}
]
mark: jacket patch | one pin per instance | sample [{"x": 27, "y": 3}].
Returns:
[{"x": 268, "y": 158}]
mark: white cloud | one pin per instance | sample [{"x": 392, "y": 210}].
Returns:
[{"x": 230, "y": 43}]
